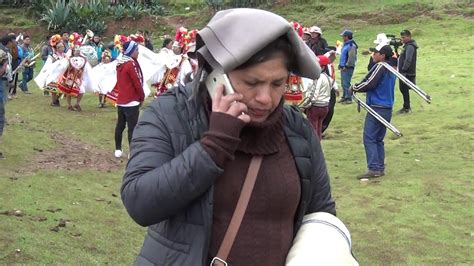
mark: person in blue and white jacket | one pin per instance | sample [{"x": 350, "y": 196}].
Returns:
[
  {"x": 379, "y": 84},
  {"x": 347, "y": 63}
]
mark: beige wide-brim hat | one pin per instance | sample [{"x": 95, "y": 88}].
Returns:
[
  {"x": 233, "y": 36},
  {"x": 316, "y": 29}
]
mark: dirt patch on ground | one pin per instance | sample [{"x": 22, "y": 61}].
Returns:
[
  {"x": 388, "y": 16},
  {"x": 156, "y": 24},
  {"x": 74, "y": 154},
  {"x": 129, "y": 25}
]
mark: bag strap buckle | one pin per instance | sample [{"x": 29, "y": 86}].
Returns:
[{"x": 216, "y": 261}]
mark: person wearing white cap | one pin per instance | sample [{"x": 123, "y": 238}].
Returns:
[
  {"x": 382, "y": 39},
  {"x": 317, "y": 43}
]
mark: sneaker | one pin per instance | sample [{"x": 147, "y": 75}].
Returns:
[
  {"x": 118, "y": 153},
  {"x": 2, "y": 157},
  {"x": 342, "y": 100},
  {"x": 347, "y": 101},
  {"x": 404, "y": 111},
  {"x": 77, "y": 107},
  {"x": 26, "y": 92},
  {"x": 10, "y": 97},
  {"x": 70, "y": 108},
  {"x": 371, "y": 174}
]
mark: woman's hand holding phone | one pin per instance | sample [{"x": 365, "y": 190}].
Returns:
[{"x": 229, "y": 104}]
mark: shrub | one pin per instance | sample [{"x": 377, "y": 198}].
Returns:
[
  {"x": 57, "y": 15},
  {"x": 74, "y": 16},
  {"x": 135, "y": 11},
  {"x": 215, "y": 5},
  {"x": 119, "y": 12}
]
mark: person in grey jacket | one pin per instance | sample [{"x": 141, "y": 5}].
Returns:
[
  {"x": 190, "y": 150},
  {"x": 407, "y": 67}
]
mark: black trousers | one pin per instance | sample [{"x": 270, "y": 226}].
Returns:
[
  {"x": 328, "y": 118},
  {"x": 126, "y": 116},
  {"x": 405, "y": 90}
]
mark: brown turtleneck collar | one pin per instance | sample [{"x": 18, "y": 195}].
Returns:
[{"x": 263, "y": 138}]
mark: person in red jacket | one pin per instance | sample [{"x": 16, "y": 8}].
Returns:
[{"x": 130, "y": 93}]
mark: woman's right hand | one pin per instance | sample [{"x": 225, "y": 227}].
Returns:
[{"x": 229, "y": 104}]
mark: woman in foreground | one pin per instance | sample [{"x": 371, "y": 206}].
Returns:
[{"x": 191, "y": 151}]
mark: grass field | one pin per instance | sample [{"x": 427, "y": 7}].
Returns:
[{"x": 59, "y": 186}]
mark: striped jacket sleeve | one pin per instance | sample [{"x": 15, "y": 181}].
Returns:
[{"x": 371, "y": 80}]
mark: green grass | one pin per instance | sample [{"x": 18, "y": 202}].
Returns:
[{"x": 420, "y": 213}]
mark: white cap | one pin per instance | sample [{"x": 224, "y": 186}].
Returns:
[{"x": 382, "y": 39}]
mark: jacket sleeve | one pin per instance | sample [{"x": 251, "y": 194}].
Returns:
[
  {"x": 409, "y": 52},
  {"x": 157, "y": 184},
  {"x": 371, "y": 80},
  {"x": 321, "y": 198},
  {"x": 20, "y": 53},
  {"x": 136, "y": 83},
  {"x": 325, "y": 44},
  {"x": 352, "y": 57},
  {"x": 44, "y": 53}
]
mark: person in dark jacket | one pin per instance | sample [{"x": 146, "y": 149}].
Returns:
[
  {"x": 65, "y": 37},
  {"x": 16, "y": 60},
  {"x": 379, "y": 84},
  {"x": 3, "y": 92},
  {"x": 190, "y": 151},
  {"x": 317, "y": 43},
  {"x": 148, "y": 43},
  {"x": 407, "y": 67},
  {"x": 130, "y": 94}
]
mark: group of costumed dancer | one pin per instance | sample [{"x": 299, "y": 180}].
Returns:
[{"x": 79, "y": 70}]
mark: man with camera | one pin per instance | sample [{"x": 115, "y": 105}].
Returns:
[{"x": 407, "y": 67}]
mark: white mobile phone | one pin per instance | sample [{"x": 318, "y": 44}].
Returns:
[{"x": 215, "y": 78}]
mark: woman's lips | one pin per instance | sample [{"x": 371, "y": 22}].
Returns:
[{"x": 259, "y": 112}]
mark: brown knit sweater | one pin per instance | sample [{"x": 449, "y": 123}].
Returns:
[{"x": 266, "y": 233}]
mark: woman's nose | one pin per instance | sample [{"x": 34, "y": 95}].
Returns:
[{"x": 264, "y": 95}]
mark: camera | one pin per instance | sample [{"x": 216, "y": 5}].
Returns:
[{"x": 395, "y": 42}]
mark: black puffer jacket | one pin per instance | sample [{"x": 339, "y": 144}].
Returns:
[{"x": 168, "y": 184}]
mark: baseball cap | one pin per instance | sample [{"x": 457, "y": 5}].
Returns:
[
  {"x": 323, "y": 60},
  {"x": 383, "y": 49},
  {"x": 347, "y": 33}
]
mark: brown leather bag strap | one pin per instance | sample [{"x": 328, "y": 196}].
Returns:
[{"x": 237, "y": 217}]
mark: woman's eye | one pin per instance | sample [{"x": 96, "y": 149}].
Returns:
[{"x": 278, "y": 84}]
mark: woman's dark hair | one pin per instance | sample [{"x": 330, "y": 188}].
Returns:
[
  {"x": 5, "y": 39},
  {"x": 166, "y": 42},
  {"x": 280, "y": 45}
]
